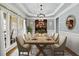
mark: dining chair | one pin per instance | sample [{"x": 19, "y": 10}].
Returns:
[
  {"x": 56, "y": 38},
  {"x": 29, "y": 35},
  {"x": 56, "y": 35},
  {"x": 22, "y": 47},
  {"x": 36, "y": 34},
  {"x": 48, "y": 36},
  {"x": 44, "y": 34},
  {"x": 52, "y": 35},
  {"x": 26, "y": 36},
  {"x": 59, "y": 48}
]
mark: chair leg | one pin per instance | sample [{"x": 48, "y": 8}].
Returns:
[
  {"x": 28, "y": 53},
  {"x": 55, "y": 53},
  {"x": 31, "y": 52},
  {"x": 52, "y": 51},
  {"x": 63, "y": 53},
  {"x": 19, "y": 53}
]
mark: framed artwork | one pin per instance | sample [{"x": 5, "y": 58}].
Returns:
[
  {"x": 41, "y": 26},
  {"x": 70, "y": 22}
]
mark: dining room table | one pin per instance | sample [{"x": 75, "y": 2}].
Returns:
[{"x": 40, "y": 40}]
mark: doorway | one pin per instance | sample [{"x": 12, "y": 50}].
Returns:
[{"x": 57, "y": 25}]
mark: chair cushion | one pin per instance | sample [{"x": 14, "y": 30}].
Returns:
[{"x": 26, "y": 45}]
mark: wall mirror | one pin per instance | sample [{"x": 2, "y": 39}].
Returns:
[{"x": 71, "y": 21}]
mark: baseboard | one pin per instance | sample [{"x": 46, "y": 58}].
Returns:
[
  {"x": 71, "y": 52},
  {"x": 11, "y": 51}
]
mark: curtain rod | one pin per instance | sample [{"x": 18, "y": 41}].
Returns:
[{"x": 10, "y": 10}]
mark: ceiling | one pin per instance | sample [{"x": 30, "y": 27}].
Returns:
[
  {"x": 35, "y": 8},
  {"x": 30, "y": 10}
]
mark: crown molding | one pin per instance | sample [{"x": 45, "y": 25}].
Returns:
[
  {"x": 56, "y": 10},
  {"x": 11, "y": 9},
  {"x": 67, "y": 9},
  {"x": 25, "y": 11}
]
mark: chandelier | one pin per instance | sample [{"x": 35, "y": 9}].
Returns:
[{"x": 41, "y": 15}]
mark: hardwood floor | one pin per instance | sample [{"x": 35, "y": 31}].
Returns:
[
  {"x": 71, "y": 52},
  {"x": 14, "y": 52},
  {"x": 11, "y": 51}
]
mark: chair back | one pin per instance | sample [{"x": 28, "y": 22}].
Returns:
[
  {"x": 56, "y": 36},
  {"x": 29, "y": 35},
  {"x": 20, "y": 41},
  {"x": 26, "y": 36},
  {"x": 63, "y": 44},
  {"x": 44, "y": 34},
  {"x": 52, "y": 35}
]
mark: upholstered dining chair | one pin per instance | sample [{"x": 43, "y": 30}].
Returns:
[
  {"x": 52, "y": 35},
  {"x": 44, "y": 35},
  {"x": 22, "y": 47},
  {"x": 36, "y": 34},
  {"x": 56, "y": 37},
  {"x": 26, "y": 37},
  {"x": 29, "y": 35},
  {"x": 59, "y": 48}
]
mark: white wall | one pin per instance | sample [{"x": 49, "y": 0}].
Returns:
[
  {"x": 72, "y": 35},
  {"x": 50, "y": 26}
]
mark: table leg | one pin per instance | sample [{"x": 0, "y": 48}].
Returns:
[{"x": 41, "y": 49}]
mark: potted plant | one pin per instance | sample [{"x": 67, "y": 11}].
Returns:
[{"x": 29, "y": 29}]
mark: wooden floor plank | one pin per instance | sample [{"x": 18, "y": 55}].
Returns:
[{"x": 11, "y": 51}]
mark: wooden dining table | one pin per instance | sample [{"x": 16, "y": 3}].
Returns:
[{"x": 38, "y": 41}]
